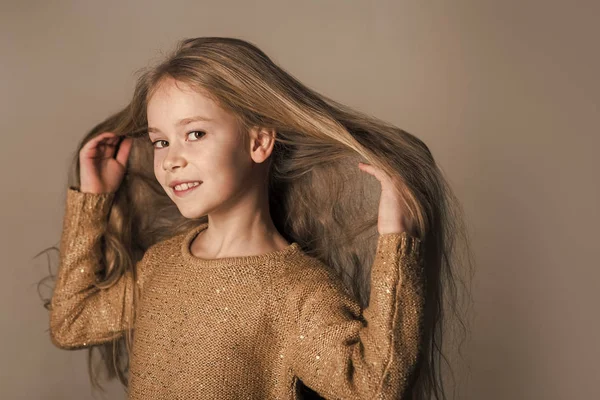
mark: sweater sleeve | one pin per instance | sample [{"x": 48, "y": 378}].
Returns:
[
  {"x": 82, "y": 314},
  {"x": 343, "y": 352}
]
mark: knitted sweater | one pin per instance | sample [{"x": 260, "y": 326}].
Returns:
[{"x": 240, "y": 327}]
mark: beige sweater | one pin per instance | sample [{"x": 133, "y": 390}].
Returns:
[{"x": 244, "y": 327}]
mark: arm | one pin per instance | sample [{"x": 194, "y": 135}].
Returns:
[
  {"x": 82, "y": 314},
  {"x": 345, "y": 353}
]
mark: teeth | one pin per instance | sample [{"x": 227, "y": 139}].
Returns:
[{"x": 184, "y": 186}]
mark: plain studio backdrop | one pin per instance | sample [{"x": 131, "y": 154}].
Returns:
[{"x": 505, "y": 94}]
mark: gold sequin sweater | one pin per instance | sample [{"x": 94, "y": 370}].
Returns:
[{"x": 241, "y": 327}]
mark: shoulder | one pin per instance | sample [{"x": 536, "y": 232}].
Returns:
[
  {"x": 164, "y": 247},
  {"x": 309, "y": 283},
  {"x": 159, "y": 253},
  {"x": 303, "y": 269}
]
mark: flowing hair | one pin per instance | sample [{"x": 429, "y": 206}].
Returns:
[{"x": 317, "y": 195}]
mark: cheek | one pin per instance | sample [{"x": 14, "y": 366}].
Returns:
[
  {"x": 228, "y": 171},
  {"x": 158, "y": 169}
]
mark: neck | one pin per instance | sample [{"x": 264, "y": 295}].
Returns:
[{"x": 245, "y": 228}]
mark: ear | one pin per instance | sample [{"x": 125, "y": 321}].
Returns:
[{"x": 262, "y": 141}]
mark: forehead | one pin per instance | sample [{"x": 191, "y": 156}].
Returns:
[{"x": 174, "y": 100}]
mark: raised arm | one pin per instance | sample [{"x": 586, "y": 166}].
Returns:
[
  {"x": 343, "y": 352},
  {"x": 82, "y": 314}
]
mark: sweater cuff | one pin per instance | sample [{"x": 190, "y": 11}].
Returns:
[
  {"x": 91, "y": 204},
  {"x": 401, "y": 243}
]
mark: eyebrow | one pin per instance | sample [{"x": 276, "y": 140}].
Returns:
[{"x": 183, "y": 122}]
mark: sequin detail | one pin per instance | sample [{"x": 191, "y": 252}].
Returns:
[{"x": 246, "y": 327}]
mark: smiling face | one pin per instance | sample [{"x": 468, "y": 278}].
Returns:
[{"x": 195, "y": 140}]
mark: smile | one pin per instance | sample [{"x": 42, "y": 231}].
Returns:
[{"x": 185, "y": 188}]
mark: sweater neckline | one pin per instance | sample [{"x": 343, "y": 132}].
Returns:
[{"x": 259, "y": 259}]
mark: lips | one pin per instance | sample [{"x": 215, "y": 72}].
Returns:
[
  {"x": 184, "y": 187},
  {"x": 178, "y": 182}
]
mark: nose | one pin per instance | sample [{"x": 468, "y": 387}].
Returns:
[{"x": 174, "y": 159}]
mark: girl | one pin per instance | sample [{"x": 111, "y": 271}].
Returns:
[{"x": 224, "y": 236}]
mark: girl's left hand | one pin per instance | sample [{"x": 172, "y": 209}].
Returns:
[{"x": 392, "y": 217}]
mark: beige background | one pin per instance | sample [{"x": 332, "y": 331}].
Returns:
[{"x": 505, "y": 93}]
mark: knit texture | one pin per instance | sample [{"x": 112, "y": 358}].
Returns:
[{"x": 240, "y": 327}]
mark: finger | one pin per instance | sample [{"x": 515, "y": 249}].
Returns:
[
  {"x": 109, "y": 149},
  {"x": 124, "y": 150},
  {"x": 102, "y": 138},
  {"x": 373, "y": 171},
  {"x": 366, "y": 168},
  {"x": 106, "y": 147}
]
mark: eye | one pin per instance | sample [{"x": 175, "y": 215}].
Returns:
[
  {"x": 154, "y": 144},
  {"x": 200, "y": 133}
]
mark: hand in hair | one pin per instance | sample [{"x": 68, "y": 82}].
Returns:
[
  {"x": 100, "y": 171},
  {"x": 392, "y": 216}
]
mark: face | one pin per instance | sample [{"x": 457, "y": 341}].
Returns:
[{"x": 196, "y": 141}]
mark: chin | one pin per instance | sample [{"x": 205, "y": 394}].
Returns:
[{"x": 190, "y": 213}]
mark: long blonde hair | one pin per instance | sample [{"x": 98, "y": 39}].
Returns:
[{"x": 318, "y": 196}]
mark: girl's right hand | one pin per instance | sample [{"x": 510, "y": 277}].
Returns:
[{"x": 99, "y": 170}]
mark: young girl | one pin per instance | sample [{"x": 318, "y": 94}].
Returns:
[{"x": 250, "y": 238}]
